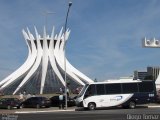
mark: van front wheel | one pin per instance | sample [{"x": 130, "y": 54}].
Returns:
[{"x": 91, "y": 106}]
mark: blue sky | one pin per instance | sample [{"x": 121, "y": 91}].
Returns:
[{"x": 105, "y": 40}]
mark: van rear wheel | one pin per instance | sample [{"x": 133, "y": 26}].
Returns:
[
  {"x": 91, "y": 106},
  {"x": 132, "y": 105}
]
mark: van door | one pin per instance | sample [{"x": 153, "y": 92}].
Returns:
[{"x": 101, "y": 97}]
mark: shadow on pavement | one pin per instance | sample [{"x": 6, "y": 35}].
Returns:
[{"x": 109, "y": 108}]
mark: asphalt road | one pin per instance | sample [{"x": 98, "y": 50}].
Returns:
[{"x": 105, "y": 114}]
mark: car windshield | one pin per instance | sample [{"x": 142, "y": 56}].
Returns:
[{"x": 83, "y": 90}]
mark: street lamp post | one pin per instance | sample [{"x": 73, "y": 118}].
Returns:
[
  {"x": 154, "y": 43},
  {"x": 65, "y": 77}
]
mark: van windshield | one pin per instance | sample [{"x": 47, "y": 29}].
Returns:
[{"x": 83, "y": 90}]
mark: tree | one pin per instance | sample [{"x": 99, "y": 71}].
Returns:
[{"x": 95, "y": 80}]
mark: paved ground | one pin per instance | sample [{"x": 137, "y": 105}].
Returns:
[
  {"x": 107, "y": 114},
  {"x": 56, "y": 109}
]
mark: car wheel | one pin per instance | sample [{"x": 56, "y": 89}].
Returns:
[
  {"x": 132, "y": 105},
  {"x": 91, "y": 106},
  {"x": 37, "y": 106},
  {"x": 46, "y": 106},
  {"x": 18, "y": 107}
]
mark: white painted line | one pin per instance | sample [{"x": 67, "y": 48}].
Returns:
[
  {"x": 153, "y": 106},
  {"x": 22, "y": 112}
]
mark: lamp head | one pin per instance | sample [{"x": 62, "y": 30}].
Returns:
[{"x": 70, "y": 3}]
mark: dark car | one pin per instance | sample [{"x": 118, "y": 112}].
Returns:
[
  {"x": 9, "y": 103},
  {"x": 36, "y": 102},
  {"x": 55, "y": 101}
]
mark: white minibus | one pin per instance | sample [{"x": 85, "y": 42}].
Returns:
[{"x": 116, "y": 93}]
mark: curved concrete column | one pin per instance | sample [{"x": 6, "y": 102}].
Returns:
[{"x": 42, "y": 51}]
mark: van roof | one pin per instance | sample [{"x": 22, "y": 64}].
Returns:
[{"x": 117, "y": 81}]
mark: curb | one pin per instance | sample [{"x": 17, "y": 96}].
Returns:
[
  {"x": 22, "y": 112},
  {"x": 153, "y": 106}
]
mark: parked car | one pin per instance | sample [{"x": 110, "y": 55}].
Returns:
[
  {"x": 9, "y": 103},
  {"x": 55, "y": 101},
  {"x": 36, "y": 102}
]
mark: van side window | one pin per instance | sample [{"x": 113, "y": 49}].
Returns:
[
  {"x": 146, "y": 86},
  {"x": 113, "y": 88},
  {"x": 100, "y": 89},
  {"x": 90, "y": 91},
  {"x": 130, "y": 87}
]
